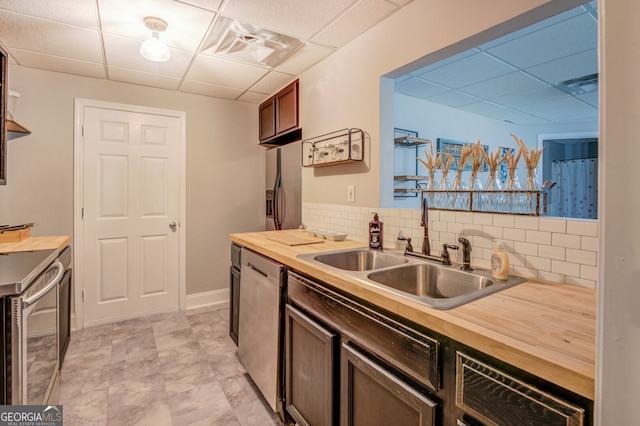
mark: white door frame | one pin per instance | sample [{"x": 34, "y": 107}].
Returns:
[{"x": 78, "y": 198}]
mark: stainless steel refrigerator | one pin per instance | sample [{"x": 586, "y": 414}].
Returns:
[{"x": 284, "y": 187}]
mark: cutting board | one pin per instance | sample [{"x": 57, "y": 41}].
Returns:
[{"x": 294, "y": 240}]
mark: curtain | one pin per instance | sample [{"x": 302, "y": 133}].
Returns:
[{"x": 576, "y": 192}]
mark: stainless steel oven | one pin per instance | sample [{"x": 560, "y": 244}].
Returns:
[{"x": 31, "y": 323}]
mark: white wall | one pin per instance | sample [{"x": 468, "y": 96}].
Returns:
[
  {"x": 618, "y": 374},
  {"x": 225, "y": 166}
]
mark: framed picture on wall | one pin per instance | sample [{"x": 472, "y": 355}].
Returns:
[{"x": 454, "y": 148}]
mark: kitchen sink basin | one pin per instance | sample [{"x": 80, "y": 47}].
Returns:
[
  {"x": 438, "y": 286},
  {"x": 429, "y": 283},
  {"x": 425, "y": 280},
  {"x": 359, "y": 260}
]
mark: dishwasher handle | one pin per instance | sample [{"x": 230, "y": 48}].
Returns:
[{"x": 252, "y": 266}]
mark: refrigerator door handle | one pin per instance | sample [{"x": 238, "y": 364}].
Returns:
[{"x": 277, "y": 186}]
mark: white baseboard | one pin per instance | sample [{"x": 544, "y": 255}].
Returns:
[{"x": 207, "y": 298}]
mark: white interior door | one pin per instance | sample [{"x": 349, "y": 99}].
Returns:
[{"x": 131, "y": 199}]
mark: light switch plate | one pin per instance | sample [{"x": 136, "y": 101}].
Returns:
[{"x": 351, "y": 193}]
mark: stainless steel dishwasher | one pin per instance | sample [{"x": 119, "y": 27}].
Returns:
[{"x": 261, "y": 307}]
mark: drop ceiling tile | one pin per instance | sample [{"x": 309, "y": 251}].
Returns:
[
  {"x": 400, "y": 3},
  {"x": 81, "y": 13},
  {"x": 297, "y": 18},
  {"x": 529, "y": 97},
  {"x": 272, "y": 83},
  {"x": 559, "y": 110},
  {"x": 501, "y": 86},
  {"x": 212, "y": 5},
  {"x": 364, "y": 15},
  {"x": 590, "y": 98},
  {"x": 143, "y": 78},
  {"x": 554, "y": 20},
  {"x": 51, "y": 38},
  {"x": 557, "y": 41},
  {"x": 517, "y": 117},
  {"x": 574, "y": 66},
  {"x": 304, "y": 58},
  {"x": 125, "y": 53},
  {"x": 220, "y": 72},
  {"x": 453, "y": 99},
  {"x": 253, "y": 97},
  {"x": 186, "y": 25},
  {"x": 419, "y": 88},
  {"x": 57, "y": 63},
  {"x": 200, "y": 88},
  {"x": 482, "y": 108},
  {"x": 467, "y": 71}
]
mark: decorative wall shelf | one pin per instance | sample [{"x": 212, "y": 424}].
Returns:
[
  {"x": 527, "y": 203},
  {"x": 339, "y": 147}
]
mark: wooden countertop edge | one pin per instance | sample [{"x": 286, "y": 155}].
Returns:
[
  {"x": 571, "y": 372},
  {"x": 36, "y": 243}
]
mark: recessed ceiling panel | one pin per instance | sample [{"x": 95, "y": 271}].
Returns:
[
  {"x": 303, "y": 58},
  {"x": 143, "y": 78},
  {"x": 453, "y": 99},
  {"x": 81, "y": 13},
  {"x": 567, "y": 68},
  {"x": 557, "y": 41},
  {"x": 559, "y": 110},
  {"x": 58, "y": 64},
  {"x": 301, "y": 18},
  {"x": 50, "y": 38},
  {"x": 125, "y": 53},
  {"x": 501, "y": 86},
  {"x": 467, "y": 71},
  {"x": 419, "y": 88},
  {"x": 590, "y": 98},
  {"x": 205, "y": 89},
  {"x": 221, "y": 72},
  {"x": 365, "y": 14},
  {"x": 253, "y": 97},
  {"x": 517, "y": 117},
  {"x": 272, "y": 82},
  {"x": 482, "y": 108}
]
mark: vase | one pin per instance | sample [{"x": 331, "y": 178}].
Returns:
[
  {"x": 511, "y": 200},
  {"x": 531, "y": 183}
]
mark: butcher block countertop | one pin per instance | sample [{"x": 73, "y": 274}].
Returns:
[
  {"x": 36, "y": 243},
  {"x": 546, "y": 329}
]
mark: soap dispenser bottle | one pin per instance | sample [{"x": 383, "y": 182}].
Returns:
[
  {"x": 499, "y": 262},
  {"x": 375, "y": 233}
]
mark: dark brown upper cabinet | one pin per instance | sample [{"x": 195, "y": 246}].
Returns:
[{"x": 278, "y": 118}]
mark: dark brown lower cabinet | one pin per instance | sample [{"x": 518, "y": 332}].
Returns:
[
  {"x": 310, "y": 382},
  {"x": 373, "y": 396}
]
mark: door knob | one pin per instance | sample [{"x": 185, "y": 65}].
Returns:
[{"x": 173, "y": 226}]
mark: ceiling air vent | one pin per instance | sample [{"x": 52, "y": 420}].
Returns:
[
  {"x": 249, "y": 43},
  {"x": 580, "y": 85}
]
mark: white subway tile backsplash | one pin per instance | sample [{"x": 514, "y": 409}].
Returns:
[
  {"x": 565, "y": 240},
  {"x": 589, "y": 243},
  {"x": 552, "y": 225},
  {"x": 504, "y": 220},
  {"x": 514, "y": 234},
  {"x": 583, "y": 227},
  {"x": 538, "y": 237},
  {"x": 526, "y": 222},
  {"x": 566, "y": 268},
  {"x": 557, "y": 250},
  {"x": 582, "y": 257},
  {"x": 525, "y": 248},
  {"x": 589, "y": 272},
  {"x": 483, "y": 218}
]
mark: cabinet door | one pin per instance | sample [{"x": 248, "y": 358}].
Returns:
[
  {"x": 267, "y": 120},
  {"x": 234, "y": 309},
  {"x": 372, "y": 396},
  {"x": 310, "y": 385},
  {"x": 287, "y": 108}
]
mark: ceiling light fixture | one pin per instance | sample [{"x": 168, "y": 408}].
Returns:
[{"x": 153, "y": 49}]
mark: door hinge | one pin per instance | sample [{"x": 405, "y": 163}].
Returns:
[
  {"x": 83, "y": 213},
  {"x": 83, "y": 295},
  {"x": 82, "y": 130}
]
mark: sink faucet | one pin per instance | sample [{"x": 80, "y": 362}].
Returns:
[
  {"x": 424, "y": 221},
  {"x": 444, "y": 257},
  {"x": 466, "y": 254}
]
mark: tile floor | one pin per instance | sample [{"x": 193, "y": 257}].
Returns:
[{"x": 178, "y": 368}]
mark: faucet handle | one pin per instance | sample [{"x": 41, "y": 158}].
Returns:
[{"x": 446, "y": 259}]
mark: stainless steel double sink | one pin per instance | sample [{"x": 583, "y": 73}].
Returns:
[{"x": 429, "y": 283}]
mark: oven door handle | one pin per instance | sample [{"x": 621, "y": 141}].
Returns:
[{"x": 45, "y": 289}]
